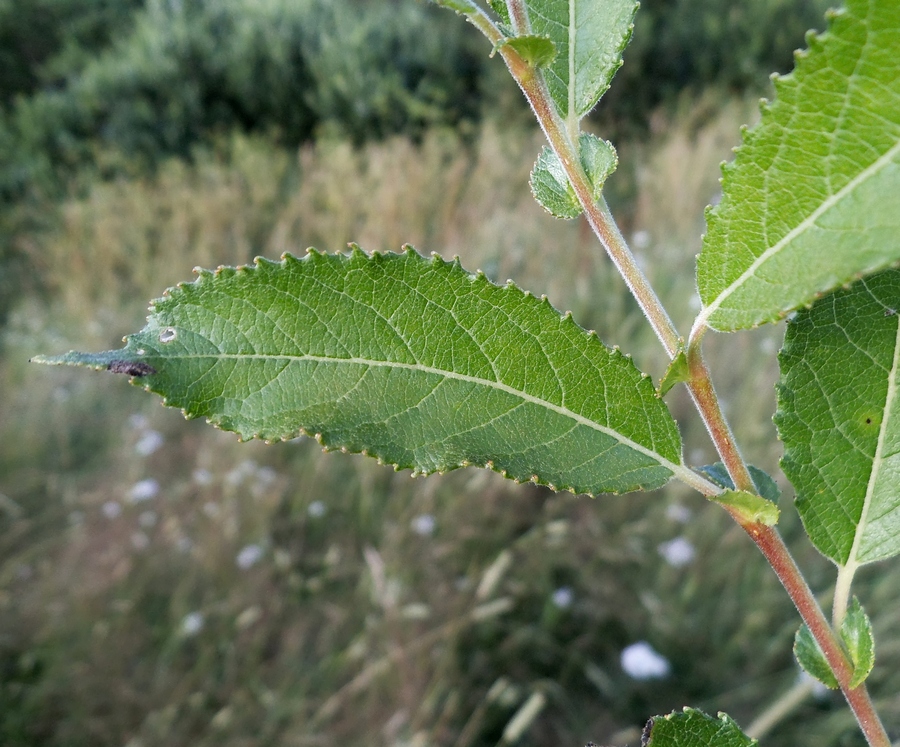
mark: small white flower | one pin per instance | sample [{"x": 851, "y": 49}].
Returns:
[
  {"x": 192, "y": 623},
  {"x": 679, "y": 513},
  {"x": 677, "y": 552},
  {"x": 148, "y": 443},
  {"x": 111, "y": 509},
  {"x": 316, "y": 509},
  {"x": 563, "y": 597},
  {"x": 640, "y": 240},
  {"x": 249, "y": 556},
  {"x": 265, "y": 476},
  {"x": 424, "y": 524},
  {"x": 137, "y": 421},
  {"x": 143, "y": 490},
  {"x": 202, "y": 476},
  {"x": 244, "y": 470},
  {"x": 641, "y": 662}
]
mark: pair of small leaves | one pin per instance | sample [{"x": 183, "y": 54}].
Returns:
[
  {"x": 551, "y": 187},
  {"x": 859, "y": 643},
  {"x": 578, "y": 45}
]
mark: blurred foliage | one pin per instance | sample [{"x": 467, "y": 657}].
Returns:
[
  {"x": 379, "y": 610},
  {"x": 690, "y": 45},
  {"x": 191, "y": 69},
  {"x": 151, "y": 83},
  {"x": 44, "y": 42},
  {"x": 109, "y": 88}
]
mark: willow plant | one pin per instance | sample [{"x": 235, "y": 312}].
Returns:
[{"x": 429, "y": 367}]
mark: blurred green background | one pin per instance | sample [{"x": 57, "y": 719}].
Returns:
[{"x": 162, "y": 584}]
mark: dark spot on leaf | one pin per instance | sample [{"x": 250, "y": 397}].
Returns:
[
  {"x": 130, "y": 368},
  {"x": 868, "y": 421},
  {"x": 890, "y": 312}
]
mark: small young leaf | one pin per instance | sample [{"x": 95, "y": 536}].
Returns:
[
  {"x": 676, "y": 372},
  {"x": 859, "y": 640},
  {"x": 693, "y": 728},
  {"x": 551, "y": 187},
  {"x": 499, "y": 7},
  {"x": 839, "y": 418},
  {"x": 413, "y": 361},
  {"x": 812, "y": 199},
  {"x": 753, "y": 509},
  {"x": 537, "y": 51},
  {"x": 765, "y": 485},
  {"x": 590, "y": 38},
  {"x": 811, "y": 658}
]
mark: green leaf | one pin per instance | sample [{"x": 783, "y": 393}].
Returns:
[
  {"x": 677, "y": 371},
  {"x": 693, "y": 728},
  {"x": 537, "y": 51},
  {"x": 812, "y": 199},
  {"x": 590, "y": 36},
  {"x": 812, "y": 660},
  {"x": 859, "y": 640},
  {"x": 499, "y": 7},
  {"x": 839, "y": 418},
  {"x": 765, "y": 485},
  {"x": 753, "y": 509},
  {"x": 410, "y": 360},
  {"x": 550, "y": 185}
]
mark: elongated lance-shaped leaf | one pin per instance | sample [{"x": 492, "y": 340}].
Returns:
[
  {"x": 693, "y": 728},
  {"x": 590, "y": 36},
  {"x": 414, "y": 361},
  {"x": 812, "y": 199},
  {"x": 839, "y": 417}
]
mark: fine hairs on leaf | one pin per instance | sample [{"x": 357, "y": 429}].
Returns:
[{"x": 427, "y": 366}]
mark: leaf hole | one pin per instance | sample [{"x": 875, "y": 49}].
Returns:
[{"x": 168, "y": 334}]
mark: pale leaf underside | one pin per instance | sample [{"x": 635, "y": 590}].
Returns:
[
  {"x": 812, "y": 199},
  {"x": 410, "y": 360},
  {"x": 839, "y": 417}
]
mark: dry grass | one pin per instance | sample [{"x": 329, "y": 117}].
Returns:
[{"x": 377, "y": 610}]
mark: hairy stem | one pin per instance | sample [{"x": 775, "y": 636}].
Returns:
[{"x": 704, "y": 396}]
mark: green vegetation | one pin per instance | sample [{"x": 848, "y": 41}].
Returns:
[{"x": 162, "y": 584}]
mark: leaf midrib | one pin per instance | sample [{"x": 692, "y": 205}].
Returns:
[
  {"x": 800, "y": 228},
  {"x": 878, "y": 459},
  {"x": 572, "y": 115},
  {"x": 677, "y": 469}
]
